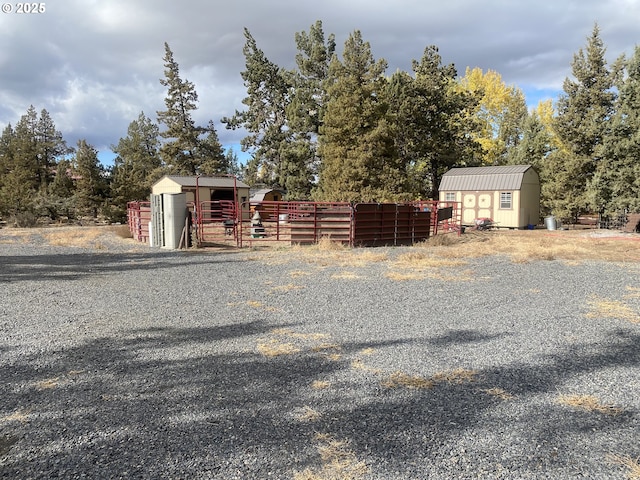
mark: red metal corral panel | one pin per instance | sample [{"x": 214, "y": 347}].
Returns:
[
  {"x": 138, "y": 218},
  {"x": 389, "y": 224}
]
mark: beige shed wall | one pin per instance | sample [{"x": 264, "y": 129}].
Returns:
[{"x": 166, "y": 185}]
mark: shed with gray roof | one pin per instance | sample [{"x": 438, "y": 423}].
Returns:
[{"x": 509, "y": 195}]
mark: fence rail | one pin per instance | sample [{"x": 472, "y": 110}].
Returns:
[{"x": 360, "y": 224}]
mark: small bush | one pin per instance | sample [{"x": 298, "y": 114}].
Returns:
[{"x": 24, "y": 220}]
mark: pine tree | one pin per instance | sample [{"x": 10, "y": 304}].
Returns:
[
  {"x": 360, "y": 162},
  {"x": 617, "y": 174},
  {"x": 137, "y": 165},
  {"x": 91, "y": 186},
  {"x": 265, "y": 117},
  {"x": 306, "y": 109},
  {"x": 51, "y": 147},
  {"x": 211, "y": 152},
  {"x": 429, "y": 117},
  {"x": 584, "y": 111},
  {"x": 179, "y": 152}
]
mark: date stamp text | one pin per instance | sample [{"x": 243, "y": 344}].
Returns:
[{"x": 24, "y": 8}]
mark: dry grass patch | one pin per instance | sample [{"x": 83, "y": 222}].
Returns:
[
  {"x": 339, "y": 462},
  {"x": 632, "y": 465},
  {"x": 607, "y": 308},
  {"x": 47, "y": 384},
  {"x": 308, "y": 414},
  {"x": 320, "y": 384},
  {"x": 299, "y": 273},
  {"x": 74, "y": 237},
  {"x": 588, "y": 403},
  {"x": 20, "y": 416},
  {"x": 360, "y": 365},
  {"x": 400, "y": 379},
  {"x": 274, "y": 348},
  {"x": 457, "y": 376},
  {"x": 526, "y": 246},
  {"x": 326, "y": 347},
  {"x": 634, "y": 292},
  {"x": 420, "y": 259},
  {"x": 498, "y": 393}
]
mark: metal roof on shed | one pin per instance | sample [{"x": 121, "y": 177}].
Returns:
[
  {"x": 507, "y": 177},
  {"x": 211, "y": 182}
]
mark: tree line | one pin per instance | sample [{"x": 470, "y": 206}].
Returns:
[{"x": 339, "y": 128}]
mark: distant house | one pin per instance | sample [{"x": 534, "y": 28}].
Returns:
[
  {"x": 508, "y": 195},
  {"x": 209, "y": 188},
  {"x": 267, "y": 195}
]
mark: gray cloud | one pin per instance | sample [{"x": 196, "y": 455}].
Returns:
[{"x": 94, "y": 65}]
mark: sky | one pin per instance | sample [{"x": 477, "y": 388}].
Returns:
[{"x": 94, "y": 65}]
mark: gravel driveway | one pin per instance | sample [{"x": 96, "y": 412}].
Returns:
[{"x": 121, "y": 363}]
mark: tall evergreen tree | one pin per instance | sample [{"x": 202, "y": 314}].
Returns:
[
  {"x": 431, "y": 135},
  {"x": 306, "y": 109},
  {"x": 137, "y": 164},
  {"x": 210, "y": 150},
  {"x": 360, "y": 162},
  {"x": 91, "y": 186},
  {"x": 617, "y": 174},
  {"x": 265, "y": 118},
  {"x": 51, "y": 146},
  {"x": 584, "y": 110},
  {"x": 179, "y": 152}
]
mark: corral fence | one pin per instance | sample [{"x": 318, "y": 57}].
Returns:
[
  {"x": 298, "y": 222},
  {"x": 138, "y": 219}
]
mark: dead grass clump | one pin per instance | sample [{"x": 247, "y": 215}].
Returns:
[
  {"x": 498, "y": 393},
  {"x": 588, "y": 403},
  {"x": 308, "y": 414},
  {"x": 400, "y": 379},
  {"x": 73, "y": 237},
  {"x": 320, "y": 385},
  {"x": 338, "y": 462},
  {"x": 47, "y": 384},
  {"x": 607, "y": 308},
  {"x": 632, "y": 465},
  {"x": 418, "y": 259},
  {"x": 273, "y": 348},
  {"x": 19, "y": 416}
]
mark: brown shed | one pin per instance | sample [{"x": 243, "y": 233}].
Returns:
[{"x": 509, "y": 195}]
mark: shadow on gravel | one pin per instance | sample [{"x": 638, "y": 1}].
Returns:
[
  {"x": 456, "y": 337},
  {"x": 77, "y": 265},
  {"x": 167, "y": 403}
]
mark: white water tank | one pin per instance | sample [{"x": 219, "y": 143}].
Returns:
[{"x": 175, "y": 216}]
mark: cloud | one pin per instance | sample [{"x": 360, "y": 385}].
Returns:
[{"x": 94, "y": 65}]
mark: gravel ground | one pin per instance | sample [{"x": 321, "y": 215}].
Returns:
[{"x": 140, "y": 363}]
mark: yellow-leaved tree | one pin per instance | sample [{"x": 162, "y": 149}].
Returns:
[{"x": 500, "y": 114}]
